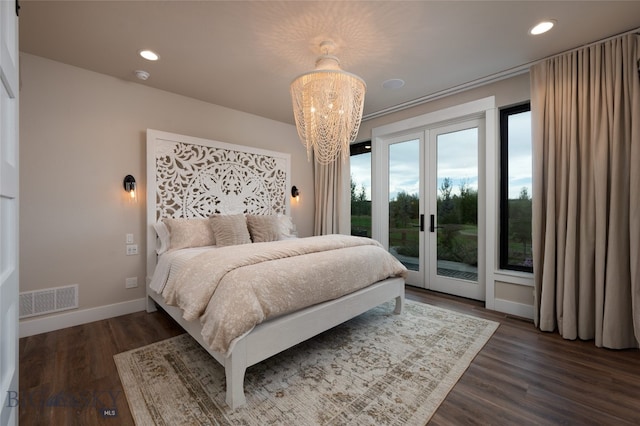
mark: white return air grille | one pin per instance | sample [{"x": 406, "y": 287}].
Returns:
[{"x": 40, "y": 302}]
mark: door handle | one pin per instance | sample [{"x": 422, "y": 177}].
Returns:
[
  {"x": 432, "y": 225},
  {"x": 421, "y": 223}
]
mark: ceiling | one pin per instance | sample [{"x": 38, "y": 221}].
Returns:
[{"x": 244, "y": 54}]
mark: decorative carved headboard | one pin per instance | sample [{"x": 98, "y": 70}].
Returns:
[{"x": 191, "y": 177}]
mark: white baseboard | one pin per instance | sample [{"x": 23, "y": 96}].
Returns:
[
  {"x": 32, "y": 326},
  {"x": 513, "y": 308}
]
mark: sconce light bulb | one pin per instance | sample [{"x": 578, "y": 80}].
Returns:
[
  {"x": 297, "y": 198},
  {"x": 129, "y": 184}
]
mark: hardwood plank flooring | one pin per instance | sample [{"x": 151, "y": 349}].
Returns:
[{"x": 522, "y": 376}]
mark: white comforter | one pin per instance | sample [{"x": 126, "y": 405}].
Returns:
[{"x": 232, "y": 289}]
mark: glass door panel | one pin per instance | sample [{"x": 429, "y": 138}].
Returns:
[
  {"x": 457, "y": 204},
  {"x": 404, "y": 205},
  {"x": 453, "y": 222}
]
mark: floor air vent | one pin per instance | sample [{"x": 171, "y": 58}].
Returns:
[{"x": 40, "y": 302}]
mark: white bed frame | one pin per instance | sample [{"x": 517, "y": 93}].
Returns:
[{"x": 273, "y": 336}]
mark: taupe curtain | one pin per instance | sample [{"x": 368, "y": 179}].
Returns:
[
  {"x": 585, "y": 109},
  {"x": 329, "y": 197}
]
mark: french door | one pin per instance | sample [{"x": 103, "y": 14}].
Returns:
[{"x": 432, "y": 206}]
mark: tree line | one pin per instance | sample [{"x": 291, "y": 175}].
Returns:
[{"x": 460, "y": 207}]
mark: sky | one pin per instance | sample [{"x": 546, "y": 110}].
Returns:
[
  {"x": 361, "y": 172},
  {"x": 457, "y": 155},
  {"x": 520, "y": 154}
]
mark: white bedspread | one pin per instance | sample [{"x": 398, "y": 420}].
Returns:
[{"x": 232, "y": 289}]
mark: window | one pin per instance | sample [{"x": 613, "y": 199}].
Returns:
[
  {"x": 361, "y": 189},
  {"x": 515, "y": 188}
]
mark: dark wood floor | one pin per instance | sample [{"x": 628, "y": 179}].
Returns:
[{"x": 522, "y": 376}]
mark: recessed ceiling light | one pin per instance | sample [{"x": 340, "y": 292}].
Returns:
[
  {"x": 542, "y": 27},
  {"x": 149, "y": 55},
  {"x": 393, "y": 83}
]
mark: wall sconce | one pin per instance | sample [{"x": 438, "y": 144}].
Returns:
[
  {"x": 130, "y": 187},
  {"x": 295, "y": 193}
]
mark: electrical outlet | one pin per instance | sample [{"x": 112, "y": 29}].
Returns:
[
  {"x": 129, "y": 238},
  {"x": 132, "y": 249},
  {"x": 131, "y": 282}
]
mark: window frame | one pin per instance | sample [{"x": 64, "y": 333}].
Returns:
[{"x": 503, "y": 255}]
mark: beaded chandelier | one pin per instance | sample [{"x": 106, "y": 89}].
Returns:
[{"x": 327, "y": 104}]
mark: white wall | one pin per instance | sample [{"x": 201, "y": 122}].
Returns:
[{"x": 81, "y": 132}]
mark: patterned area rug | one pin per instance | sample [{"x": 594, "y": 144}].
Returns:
[{"x": 378, "y": 368}]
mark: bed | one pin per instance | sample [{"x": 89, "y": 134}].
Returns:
[{"x": 204, "y": 199}]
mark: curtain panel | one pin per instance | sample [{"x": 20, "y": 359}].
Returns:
[
  {"x": 329, "y": 196},
  {"x": 585, "y": 108}
]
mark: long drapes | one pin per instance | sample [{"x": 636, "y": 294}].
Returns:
[
  {"x": 329, "y": 197},
  {"x": 586, "y": 195}
]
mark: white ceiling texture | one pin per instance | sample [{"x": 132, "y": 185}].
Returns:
[{"x": 244, "y": 54}]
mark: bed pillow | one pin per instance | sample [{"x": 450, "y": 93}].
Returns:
[
  {"x": 287, "y": 229},
  {"x": 185, "y": 233},
  {"x": 163, "y": 242},
  {"x": 263, "y": 228},
  {"x": 230, "y": 230}
]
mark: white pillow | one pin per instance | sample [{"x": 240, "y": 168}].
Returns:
[
  {"x": 164, "y": 239},
  {"x": 286, "y": 227}
]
